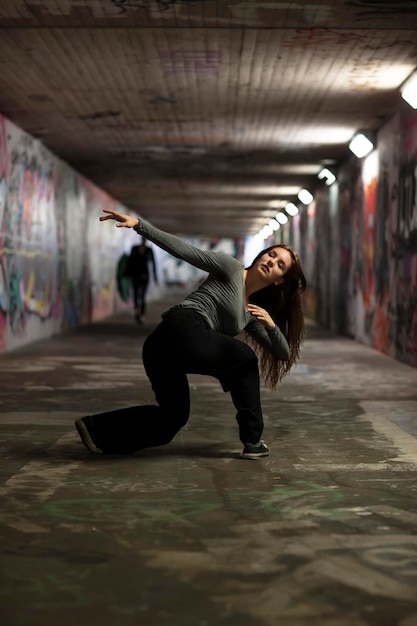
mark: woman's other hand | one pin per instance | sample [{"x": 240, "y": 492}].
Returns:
[
  {"x": 123, "y": 221},
  {"x": 262, "y": 316}
]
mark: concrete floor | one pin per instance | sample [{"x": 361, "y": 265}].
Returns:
[{"x": 322, "y": 532}]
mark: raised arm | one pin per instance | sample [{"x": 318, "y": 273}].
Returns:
[{"x": 207, "y": 261}]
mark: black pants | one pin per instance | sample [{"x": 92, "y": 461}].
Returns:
[
  {"x": 140, "y": 286},
  {"x": 183, "y": 344}
]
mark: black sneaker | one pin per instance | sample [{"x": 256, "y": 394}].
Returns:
[
  {"x": 255, "y": 450},
  {"x": 86, "y": 437}
]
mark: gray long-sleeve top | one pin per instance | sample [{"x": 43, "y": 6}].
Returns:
[{"x": 220, "y": 300}]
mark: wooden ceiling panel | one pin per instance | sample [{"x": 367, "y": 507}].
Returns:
[{"x": 193, "y": 109}]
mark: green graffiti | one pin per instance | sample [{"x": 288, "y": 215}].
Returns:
[
  {"x": 304, "y": 500},
  {"x": 299, "y": 500},
  {"x": 136, "y": 511}
]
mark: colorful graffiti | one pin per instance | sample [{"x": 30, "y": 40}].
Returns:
[
  {"x": 371, "y": 291},
  {"x": 49, "y": 279}
]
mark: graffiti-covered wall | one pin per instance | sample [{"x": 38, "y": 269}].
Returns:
[
  {"x": 57, "y": 262},
  {"x": 359, "y": 243}
]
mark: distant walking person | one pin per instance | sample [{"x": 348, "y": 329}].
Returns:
[
  {"x": 199, "y": 336},
  {"x": 141, "y": 257}
]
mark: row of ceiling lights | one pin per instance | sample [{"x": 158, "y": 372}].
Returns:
[{"x": 360, "y": 145}]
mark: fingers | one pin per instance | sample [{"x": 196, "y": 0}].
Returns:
[
  {"x": 261, "y": 315},
  {"x": 112, "y": 215},
  {"x": 256, "y": 311},
  {"x": 123, "y": 221}
]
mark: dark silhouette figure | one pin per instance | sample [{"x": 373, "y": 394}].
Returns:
[{"x": 141, "y": 257}]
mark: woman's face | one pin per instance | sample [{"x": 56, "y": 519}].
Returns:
[{"x": 273, "y": 265}]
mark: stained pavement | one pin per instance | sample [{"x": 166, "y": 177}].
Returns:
[{"x": 322, "y": 532}]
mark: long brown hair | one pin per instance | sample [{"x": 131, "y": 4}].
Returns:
[{"x": 283, "y": 303}]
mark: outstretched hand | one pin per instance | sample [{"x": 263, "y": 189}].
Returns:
[{"x": 123, "y": 221}]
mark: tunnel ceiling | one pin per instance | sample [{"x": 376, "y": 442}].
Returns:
[{"x": 199, "y": 114}]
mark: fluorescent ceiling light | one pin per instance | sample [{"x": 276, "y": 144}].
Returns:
[
  {"x": 361, "y": 146},
  {"x": 291, "y": 209},
  {"x": 327, "y": 176},
  {"x": 274, "y": 224},
  {"x": 281, "y": 218},
  {"x": 305, "y": 196},
  {"x": 409, "y": 91}
]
